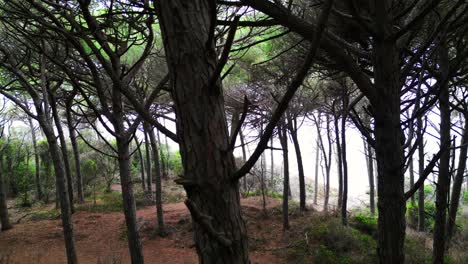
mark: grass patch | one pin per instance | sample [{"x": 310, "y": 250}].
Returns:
[
  {"x": 105, "y": 202},
  {"x": 45, "y": 215},
  {"x": 268, "y": 193}
]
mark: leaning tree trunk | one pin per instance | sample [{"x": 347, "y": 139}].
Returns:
[
  {"x": 123, "y": 153},
  {"x": 302, "y": 190},
  {"x": 76, "y": 156},
  {"x": 157, "y": 169},
  {"x": 443, "y": 180},
  {"x": 63, "y": 148},
  {"x": 389, "y": 152},
  {"x": 62, "y": 190},
  {"x": 4, "y": 218},
  {"x": 142, "y": 164},
  {"x": 36, "y": 159},
  {"x": 457, "y": 183},
  {"x": 283, "y": 137},
  {"x": 212, "y": 194}
]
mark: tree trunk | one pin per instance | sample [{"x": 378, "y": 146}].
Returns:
[
  {"x": 421, "y": 212},
  {"x": 339, "y": 164},
  {"x": 317, "y": 154},
  {"x": 36, "y": 159},
  {"x": 389, "y": 151},
  {"x": 244, "y": 158},
  {"x": 212, "y": 195},
  {"x": 162, "y": 157},
  {"x": 344, "y": 203},
  {"x": 63, "y": 147},
  {"x": 142, "y": 164},
  {"x": 283, "y": 137},
  {"x": 370, "y": 170},
  {"x": 123, "y": 153},
  {"x": 272, "y": 166},
  {"x": 292, "y": 126},
  {"x": 4, "y": 219},
  {"x": 76, "y": 156},
  {"x": 149, "y": 172},
  {"x": 61, "y": 183},
  {"x": 457, "y": 183},
  {"x": 157, "y": 169},
  {"x": 443, "y": 180}
]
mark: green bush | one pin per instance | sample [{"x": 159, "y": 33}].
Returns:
[
  {"x": 175, "y": 163},
  {"x": 45, "y": 215},
  {"x": 105, "y": 202},
  {"x": 465, "y": 196},
  {"x": 429, "y": 209},
  {"x": 366, "y": 224}
]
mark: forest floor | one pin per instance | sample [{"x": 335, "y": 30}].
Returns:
[{"x": 101, "y": 237}]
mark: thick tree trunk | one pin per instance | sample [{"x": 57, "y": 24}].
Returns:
[
  {"x": 36, "y": 160},
  {"x": 4, "y": 218},
  {"x": 76, "y": 156},
  {"x": 292, "y": 126},
  {"x": 457, "y": 183},
  {"x": 157, "y": 169},
  {"x": 61, "y": 183},
  {"x": 283, "y": 137},
  {"x": 63, "y": 148},
  {"x": 212, "y": 195},
  {"x": 149, "y": 169},
  {"x": 389, "y": 152},
  {"x": 443, "y": 180}
]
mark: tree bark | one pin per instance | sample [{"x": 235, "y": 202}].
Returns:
[
  {"x": 421, "y": 211},
  {"x": 443, "y": 180},
  {"x": 212, "y": 194},
  {"x": 63, "y": 148},
  {"x": 157, "y": 169},
  {"x": 344, "y": 203},
  {"x": 283, "y": 137},
  {"x": 142, "y": 164},
  {"x": 292, "y": 127},
  {"x": 36, "y": 160},
  {"x": 389, "y": 148},
  {"x": 76, "y": 155},
  {"x": 370, "y": 170},
  {"x": 244, "y": 158},
  {"x": 149, "y": 169},
  {"x": 4, "y": 218},
  {"x": 339, "y": 164},
  {"x": 61, "y": 183},
  {"x": 457, "y": 183}
]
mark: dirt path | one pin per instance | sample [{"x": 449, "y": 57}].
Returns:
[{"x": 100, "y": 237}]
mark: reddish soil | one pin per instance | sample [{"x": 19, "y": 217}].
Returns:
[{"x": 100, "y": 237}]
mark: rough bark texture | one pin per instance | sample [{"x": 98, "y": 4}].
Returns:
[
  {"x": 61, "y": 183},
  {"x": 283, "y": 137},
  {"x": 4, "y": 218},
  {"x": 292, "y": 126},
  {"x": 212, "y": 196},
  {"x": 389, "y": 149},
  {"x": 123, "y": 153},
  {"x": 76, "y": 156},
  {"x": 158, "y": 178},
  {"x": 443, "y": 180},
  {"x": 457, "y": 183}
]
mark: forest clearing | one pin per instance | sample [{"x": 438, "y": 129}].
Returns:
[{"x": 234, "y": 131}]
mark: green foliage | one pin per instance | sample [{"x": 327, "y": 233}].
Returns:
[
  {"x": 268, "y": 193},
  {"x": 428, "y": 190},
  {"x": 175, "y": 163},
  {"x": 45, "y": 215},
  {"x": 415, "y": 252},
  {"x": 25, "y": 182},
  {"x": 465, "y": 196},
  {"x": 366, "y": 224},
  {"x": 429, "y": 209},
  {"x": 105, "y": 202}
]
